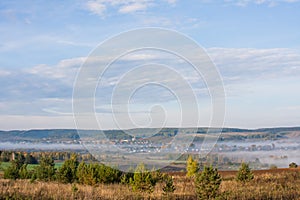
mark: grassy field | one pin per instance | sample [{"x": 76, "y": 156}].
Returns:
[
  {"x": 267, "y": 184},
  {"x": 4, "y": 165}
]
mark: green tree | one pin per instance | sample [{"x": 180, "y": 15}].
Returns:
[
  {"x": 92, "y": 174},
  {"x": 142, "y": 180},
  {"x": 192, "y": 167},
  {"x": 91, "y": 177},
  {"x": 17, "y": 169},
  {"x": 12, "y": 171},
  {"x": 45, "y": 171},
  {"x": 168, "y": 186},
  {"x": 23, "y": 172},
  {"x": 108, "y": 174},
  {"x": 244, "y": 173},
  {"x": 207, "y": 183},
  {"x": 67, "y": 172},
  {"x": 81, "y": 172}
]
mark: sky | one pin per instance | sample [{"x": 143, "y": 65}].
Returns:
[{"x": 255, "y": 45}]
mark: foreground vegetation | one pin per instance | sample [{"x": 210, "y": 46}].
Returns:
[
  {"x": 80, "y": 180},
  {"x": 280, "y": 184}
]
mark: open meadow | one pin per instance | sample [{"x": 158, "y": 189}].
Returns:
[{"x": 267, "y": 184}]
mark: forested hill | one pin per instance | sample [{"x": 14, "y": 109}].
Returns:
[{"x": 72, "y": 134}]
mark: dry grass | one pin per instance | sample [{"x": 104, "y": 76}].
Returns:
[{"x": 270, "y": 184}]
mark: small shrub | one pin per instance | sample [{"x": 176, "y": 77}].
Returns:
[
  {"x": 81, "y": 173},
  {"x": 11, "y": 172},
  {"x": 45, "y": 171},
  {"x": 126, "y": 177},
  {"x": 142, "y": 180},
  {"x": 17, "y": 169},
  {"x": 168, "y": 186},
  {"x": 24, "y": 173},
  {"x": 192, "y": 167},
  {"x": 108, "y": 174},
  {"x": 207, "y": 183},
  {"x": 244, "y": 174},
  {"x": 67, "y": 172},
  {"x": 273, "y": 166},
  {"x": 293, "y": 165},
  {"x": 74, "y": 188}
]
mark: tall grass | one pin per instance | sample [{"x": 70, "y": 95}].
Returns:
[{"x": 284, "y": 185}]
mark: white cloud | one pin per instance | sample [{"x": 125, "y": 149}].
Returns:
[
  {"x": 133, "y": 7},
  {"x": 65, "y": 70},
  {"x": 99, "y": 7},
  {"x": 96, "y": 7},
  {"x": 249, "y": 75},
  {"x": 8, "y": 122},
  {"x": 248, "y": 64},
  {"x": 4, "y": 73},
  {"x": 172, "y": 2},
  {"x": 270, "y": 3}
]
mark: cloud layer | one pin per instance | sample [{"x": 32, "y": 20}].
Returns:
[{"x": 46, "y": 90}]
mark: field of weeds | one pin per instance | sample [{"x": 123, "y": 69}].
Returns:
[{"x": 267, "y": 184}]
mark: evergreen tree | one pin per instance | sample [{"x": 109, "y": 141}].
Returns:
[
  {"x": 192, "y": 167},
  {"x": 244, "y": 174},
  {"x": 142, "y": 180},
  {"x": 67, "y": 172},
  {"x": 46, "y": 170},
  {"x": 168, "y": 186},
  {"x": 17, "y": 168},
  {"x": 207, "y": 183},
  {"x": 12, "y": 171},
  {"x": 81, "y": 172}
]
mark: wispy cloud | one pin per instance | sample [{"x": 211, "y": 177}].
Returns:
[
  {"x": 96, "y": 7},
  {"x": 4, "y": 72},
  {"x": 46, "y": 90},
  {"x": 270, "y": 3},
  {"x": 100, "y": 7},
  {"x": 134, "y": 7},
  {"x": 64, "y": 71},
  {"x": 247, "y": 64}
]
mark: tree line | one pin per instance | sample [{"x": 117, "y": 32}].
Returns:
[
  {"x": 207, "y": 181},
  {"x": 73, "y": 171},
  {"x": 34, "y": 157}
]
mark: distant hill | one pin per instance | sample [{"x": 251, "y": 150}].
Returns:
[{"x": 72, "y": 134}]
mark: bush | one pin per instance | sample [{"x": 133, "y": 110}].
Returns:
[
  {"x": 45, "y": 171},
  {"x": 92, "y": 174},
  {"x": 17, "y": 169},
  {"x": 67, "y": 172},
  {"x": 293, "y": 165},
  {"x": 24, "y": 173},
  {"x": 244, "y": 174},
  {"x": 168, "y": 186},
  {"x": 108, "y": 174},
  {"x": 11, "y": 172},
  {"x": 273, "y": 166},
  {"x": 81, "y": 173},
  {"x": 126, "y": 177},
  {"x": 192, "y": 167},
  {"x": 142, "y": 180},
  {"x": 207, "y": 183}
]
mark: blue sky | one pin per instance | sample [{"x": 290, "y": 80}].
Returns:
[{"x": 255, "y": 45}]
